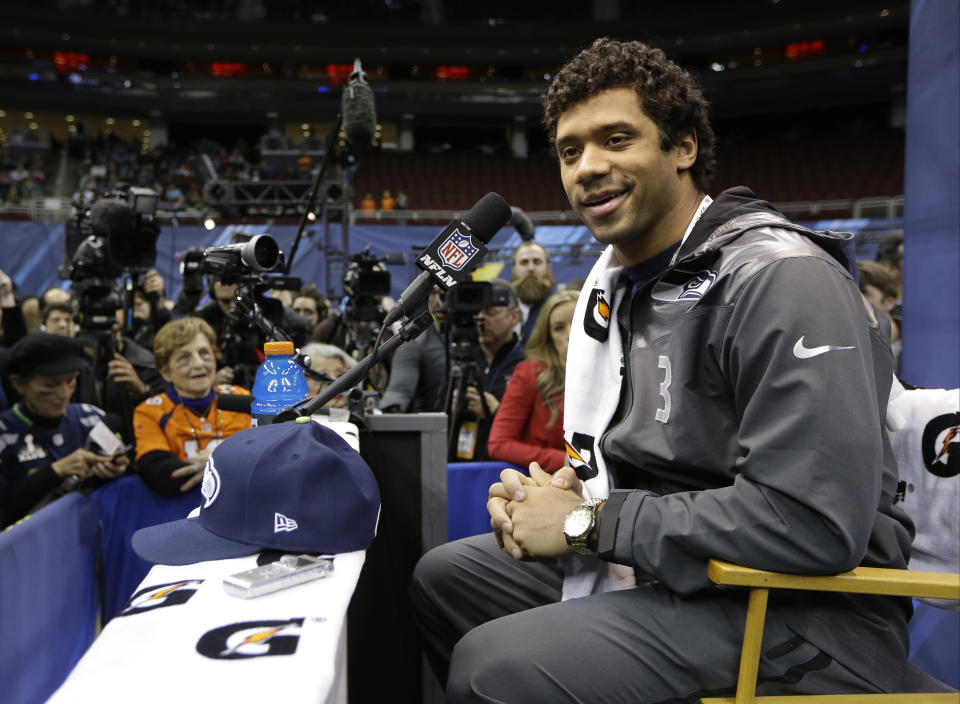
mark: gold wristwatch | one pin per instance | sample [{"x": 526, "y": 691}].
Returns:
[{"x": 580, "y": 526}]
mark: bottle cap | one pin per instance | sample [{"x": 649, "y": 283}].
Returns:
[{"x": 283, "y": 347}]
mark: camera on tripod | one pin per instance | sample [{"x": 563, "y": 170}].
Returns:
[
  {"x": 249, "y": 263},
  {"x": 464, "y": 301},
  {"x": 115, "y": 237},
  {"x": 366, "y": 281}
]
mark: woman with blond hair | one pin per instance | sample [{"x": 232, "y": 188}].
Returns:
[
  {"x": 176, "y": 431},
  {"x": 528, "y": 426}
]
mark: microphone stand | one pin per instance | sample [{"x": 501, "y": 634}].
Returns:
[
  {"x": 312, "y": 199},
  {"x": 409, "y": 331}
]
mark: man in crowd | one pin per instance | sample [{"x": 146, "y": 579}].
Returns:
[
  {"x": 418, "y": 371},
  {"x": 241, "y": 342},
  {"x": 726, "y": 379},
  {"x": 533, "y": 281},
  {"x": 54, "y": 294},
  {"x": 309, "y": 303},
  {"x": 501, "y": 349},
  {"x": 58, "y": 320},
  {"x": 42, "y": 436}
]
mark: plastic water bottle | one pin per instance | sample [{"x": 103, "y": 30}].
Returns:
[{"x": 279, "y": 383}]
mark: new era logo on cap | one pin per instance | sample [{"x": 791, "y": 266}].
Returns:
[
  {"x": 283, "y": 524},
  {"x": 296, "y": 487}
]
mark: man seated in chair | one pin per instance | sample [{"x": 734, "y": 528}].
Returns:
[{"x": 726, "y": 380}]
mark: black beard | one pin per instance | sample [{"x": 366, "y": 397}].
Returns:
[{"x": 533, "y": 289}]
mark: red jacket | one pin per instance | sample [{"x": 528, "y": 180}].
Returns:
[{"x": 519, "y": 433}]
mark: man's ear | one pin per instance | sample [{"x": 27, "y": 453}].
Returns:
[{"x": 686, "y": 151}]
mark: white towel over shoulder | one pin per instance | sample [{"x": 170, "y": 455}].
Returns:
[{"x": 594, "y": 361}]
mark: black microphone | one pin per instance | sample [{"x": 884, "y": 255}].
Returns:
[
  {"x": 238, "y": 403},
  {"x": 454, "y": 253},
  {"x": 357, "y": 109}
]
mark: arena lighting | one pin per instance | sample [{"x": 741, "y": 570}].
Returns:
[
  {"x": 312, "y": 216},
  {"x": 209, "y": 223}
]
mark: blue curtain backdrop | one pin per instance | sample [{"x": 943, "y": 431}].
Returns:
[{"x": 931, "y": 277}]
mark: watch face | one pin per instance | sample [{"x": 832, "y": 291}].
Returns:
[{"x": 578, "y": 522}]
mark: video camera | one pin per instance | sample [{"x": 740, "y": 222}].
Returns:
[
  {"x": 248, "y": 263},
  {"x": 115, "y": 237},
  {"x": 464, "y": 301},
  {"x": 365, "y": 281}
]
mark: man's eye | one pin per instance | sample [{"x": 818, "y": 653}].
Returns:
[{"x": 568, "y": 153}]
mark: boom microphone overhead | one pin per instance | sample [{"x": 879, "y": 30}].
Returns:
[{"x": 357, "y": 109}]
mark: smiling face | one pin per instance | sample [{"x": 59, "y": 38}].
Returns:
[
  {"x": 192, "y": 367},
  {"x": 46, "y": 395},
  {"x": 625, "y": 187}
]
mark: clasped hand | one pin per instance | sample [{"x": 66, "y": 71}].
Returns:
[{"x": 527, "y": 512}]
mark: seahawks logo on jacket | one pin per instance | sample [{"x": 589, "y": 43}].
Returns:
[
  {"x": 159, "y": 596},
  {"x": 680, "y": 285},
  {"x": 596, "y": 321},
  {"x": 251, "y": 639}
]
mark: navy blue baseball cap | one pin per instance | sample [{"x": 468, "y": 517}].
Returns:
[{"x": 295, "y": 487}]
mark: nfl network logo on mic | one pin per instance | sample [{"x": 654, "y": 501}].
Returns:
[{"x": 457, "y": 250}]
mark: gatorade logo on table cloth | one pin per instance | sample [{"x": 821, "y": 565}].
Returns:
[{"x": 251, "y": 639}]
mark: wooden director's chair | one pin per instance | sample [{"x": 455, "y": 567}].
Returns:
[{"x": 862, "y": 580}]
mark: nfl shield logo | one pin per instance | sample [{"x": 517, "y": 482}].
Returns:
[{"x": 457, "y": 250}]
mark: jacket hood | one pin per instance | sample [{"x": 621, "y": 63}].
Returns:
[{"x": 738, "y": 209}]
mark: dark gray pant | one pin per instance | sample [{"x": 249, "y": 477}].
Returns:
[{"x": 500, "y": 626}]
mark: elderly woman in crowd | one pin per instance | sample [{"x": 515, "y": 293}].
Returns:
[
  {"x": 327, "y": 361},
  {"x": 177, "y": 431},
  {"x": 528, "y": 426}
]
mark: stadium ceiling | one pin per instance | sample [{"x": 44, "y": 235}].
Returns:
[{"x": 521, "y": 51}]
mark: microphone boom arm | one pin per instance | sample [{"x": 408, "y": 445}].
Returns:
[{"x": 408, "y": 331}]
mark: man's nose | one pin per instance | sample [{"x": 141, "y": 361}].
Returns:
[{"x": 593, "y": 163}]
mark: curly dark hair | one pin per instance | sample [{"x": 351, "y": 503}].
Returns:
[{"x": 668, "y": 94}]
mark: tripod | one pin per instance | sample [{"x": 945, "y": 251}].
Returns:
[{"x": 463, "y": 373}]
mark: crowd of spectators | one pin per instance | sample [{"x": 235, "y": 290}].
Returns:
[
  {"x": 169, "y": 359},
  {"x": 24, "y": 178}
]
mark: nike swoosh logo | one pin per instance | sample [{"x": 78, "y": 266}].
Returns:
[{"x": 802, "y": 352}]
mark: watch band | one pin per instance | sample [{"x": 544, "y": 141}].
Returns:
[{"x": 587, "y": 542}]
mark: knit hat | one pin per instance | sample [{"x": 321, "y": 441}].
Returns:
[
  {"x": 44, "y": 353},
  {"x": 295, "y": 487}
]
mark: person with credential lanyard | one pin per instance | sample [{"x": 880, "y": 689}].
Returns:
[
  {"x": 177, "y": 430},
  {"x": 42, "y": 436},
  {"x": 501, "y": 349}
]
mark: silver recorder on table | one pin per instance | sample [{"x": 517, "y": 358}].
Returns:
[{"x": 288, "y": 571}]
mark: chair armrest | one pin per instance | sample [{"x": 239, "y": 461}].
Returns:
[{"x": 862, "y": 580}]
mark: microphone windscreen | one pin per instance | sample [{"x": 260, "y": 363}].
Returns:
[
  {"x": 359, "y": 114},
  {"x": 488, "y": 216}
]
